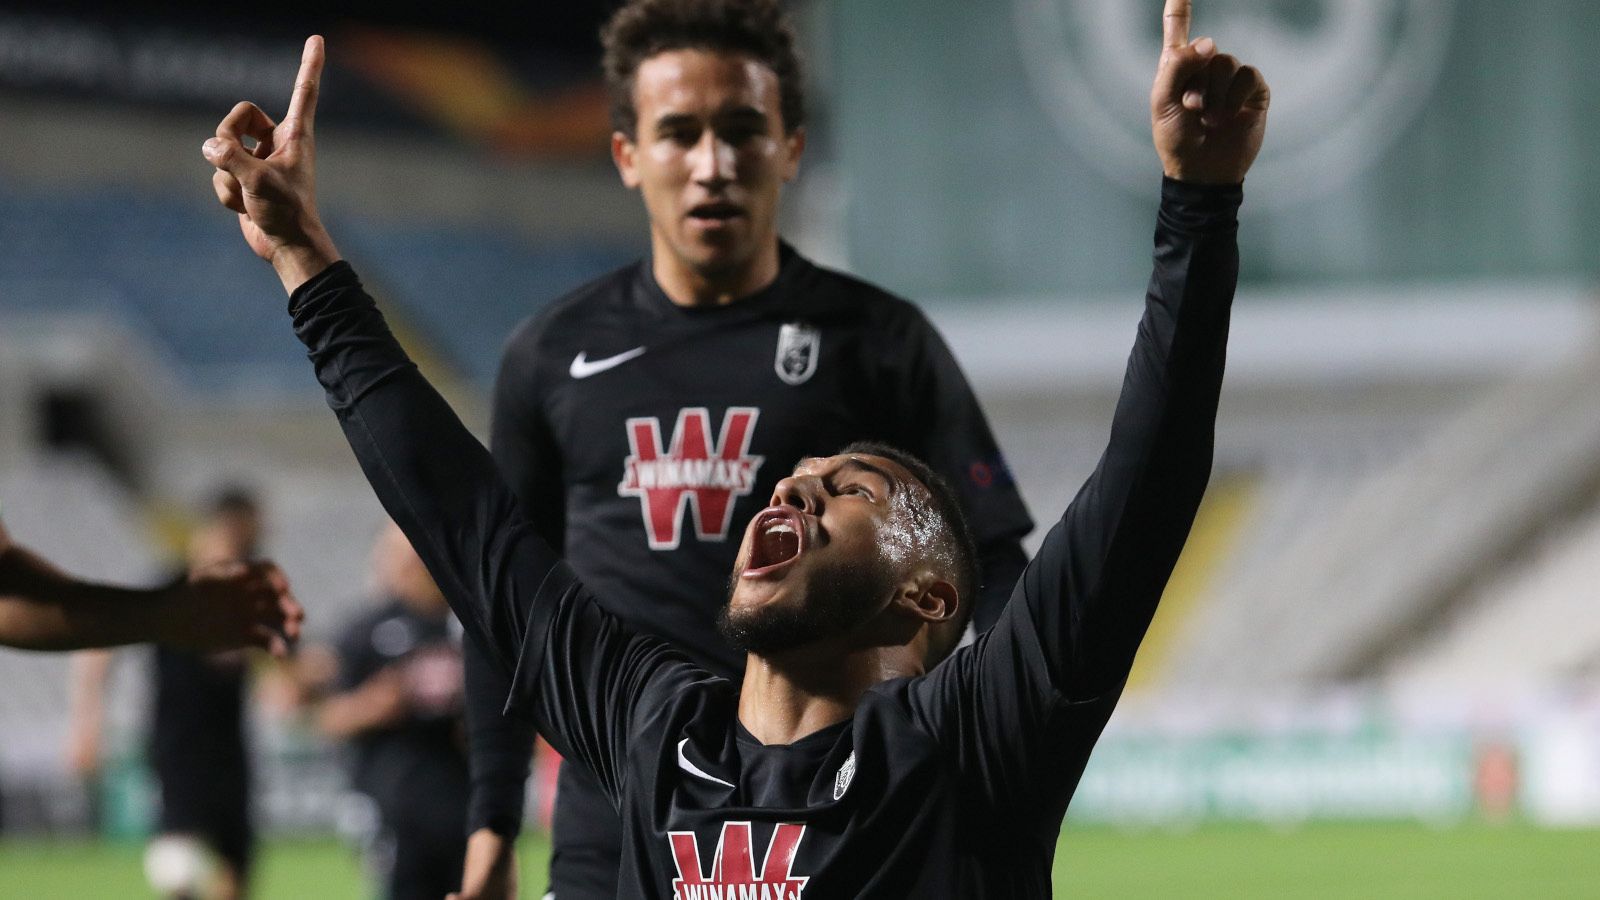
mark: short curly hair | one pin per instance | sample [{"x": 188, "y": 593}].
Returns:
[
  {"x": 758, "y": 29},
  {"x": 955, "y": 535}
]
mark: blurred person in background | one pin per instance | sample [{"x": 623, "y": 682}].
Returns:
[
  {"x": 198, "y": 749},
  {"x": 221, "y": 607},
  {"x": 725, "y": 348},
  {"x": 396, "y": 697}
]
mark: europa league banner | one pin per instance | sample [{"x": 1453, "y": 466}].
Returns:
[{"x": 1004, "y": 147}]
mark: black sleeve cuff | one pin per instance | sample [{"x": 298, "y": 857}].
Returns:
[
  {"x": 338, "y": 275},
  {"x": 1200, "y": 207},
  {"x": 497, "y": 806}
]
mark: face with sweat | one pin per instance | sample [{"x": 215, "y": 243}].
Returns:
[{"x": 851, "y": 548}]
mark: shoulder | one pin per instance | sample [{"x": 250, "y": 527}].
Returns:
[
  {"x": 588, "y": 302},
  {"x": 873, "y": 306},
  {"x": 842, "y": 288},
  {"x": 894, "y": 338}
]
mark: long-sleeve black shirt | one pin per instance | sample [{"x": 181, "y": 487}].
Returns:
[{"x": 953, "y": 783}]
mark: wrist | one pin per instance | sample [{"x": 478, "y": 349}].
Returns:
[
  {"x": 169, "y": 614},
  {"x": 299, "y": 262},
  {"x": 1202, "y": 179}
]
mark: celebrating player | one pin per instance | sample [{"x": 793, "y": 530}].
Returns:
[
  {"x": 845, "y": 764},
  {"x": 218, "y": 608},
  {"x": 647, "y": 413}
]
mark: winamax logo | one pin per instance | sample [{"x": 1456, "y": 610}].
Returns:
[
  {"x": 733, "y": 874},
  {"x": 1347, "y": 77},
  {"x": 692, "y": 471}
]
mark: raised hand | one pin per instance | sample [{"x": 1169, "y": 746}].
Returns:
[
  {"x": 272, "y": 186},
  {"x": 1208, "y": 112},
  {"x": 235, "y": 604}
]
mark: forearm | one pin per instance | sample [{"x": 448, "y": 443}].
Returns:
[
  {"x": 1110, "y": 556},
  {"x": 434, "y": 479},
  {"x": 352, "y": 713},
  {"x": 499, "y": 747},
  {"x": 42, "y": 608}
]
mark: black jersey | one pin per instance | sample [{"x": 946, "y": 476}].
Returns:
[
  {"x": 198, "y": 750},
  {"x": 641, "y": 434},
  {"x": 415, "y": 770},
  {"x": 425, "y": 748},
  {"x": 949, "y": 784}
]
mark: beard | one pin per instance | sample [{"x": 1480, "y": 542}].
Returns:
[{"x": 836, "y": 600}]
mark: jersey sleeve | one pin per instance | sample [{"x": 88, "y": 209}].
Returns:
[
  {"x": 575, "y": 669},
  {"x": 1021, "y": 708},
  {"x": 500, "y": 747},
  {"x": 941, "y": 422}
]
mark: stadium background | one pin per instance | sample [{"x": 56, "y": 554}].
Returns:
[{"x": 1377, "y": 670}]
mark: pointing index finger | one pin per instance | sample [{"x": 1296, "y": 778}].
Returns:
[
  {"x": 1175, "y": 23},
  {"x": 303, "y": 103}
]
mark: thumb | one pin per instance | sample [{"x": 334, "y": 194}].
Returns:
[{"x": 1178, "y": 68}]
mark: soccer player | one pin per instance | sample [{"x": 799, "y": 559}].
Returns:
[
  {"x": 397, "y": 699},
  {"x": 845, "y": 764},
  {"x": 648, "y": 413},
  {"x": 221, "y": 607},
  {"x": 197, "y": 749}
]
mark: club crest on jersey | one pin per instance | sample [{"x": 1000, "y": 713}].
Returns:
[
  {"x": 692, "y": 471},
  {"x": 847, "y": 772},
  {"x": 733, "y": 875},
  {"x": 799, "y": 345}
]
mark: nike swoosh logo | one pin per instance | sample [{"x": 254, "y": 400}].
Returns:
[
  {"x": 692, "y": 769},
  {"x": 583, "y": 367}
]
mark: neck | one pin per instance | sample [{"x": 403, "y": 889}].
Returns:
[
  {"x": 686, "y": 286},
  {"x": 788, "y": 696}
]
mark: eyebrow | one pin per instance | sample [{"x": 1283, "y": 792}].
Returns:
[
  {"x": 741, "y": 112},
  {"x": 672, "y": 120},
  {"x": 889, "y": 480},
  {"x": 737, "y": 114}
]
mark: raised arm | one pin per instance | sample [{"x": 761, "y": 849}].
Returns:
[
  {"x": 436, "y": 481},
  {"x": 1022, "y": 708},
  {"x": 577, "y": 670},
  {"x": 1094, "y": 585}
]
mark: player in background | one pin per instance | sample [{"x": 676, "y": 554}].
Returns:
[
  {"x": 197, "y": 747},
  {"x": 228, "y": 606},
  {"x": 645, "y": 414},
  {"x": 849, "y": 762},
  {"x": 396, "y": 697}
]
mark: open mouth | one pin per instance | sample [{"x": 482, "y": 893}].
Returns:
[
  {"x": 713, "y": 213},
  {"x": 778, "y": 539}
]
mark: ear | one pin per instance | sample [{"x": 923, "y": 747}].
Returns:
[
  {"x": 928, "y": 598},
  {"x": 623, "y": 149},
  {"x": 794, "y": 144}
]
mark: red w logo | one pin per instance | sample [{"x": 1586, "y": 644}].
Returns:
[
  {"x": 692, "y": 471},
  {"x": 734, "y": 866}
]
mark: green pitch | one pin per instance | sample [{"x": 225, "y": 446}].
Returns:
[{"x": 1325, "y": 861}]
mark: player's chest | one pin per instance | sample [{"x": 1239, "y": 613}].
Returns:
[
  {"x": 770, "y": 389},
  {"x": 821, "y": 826}
]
